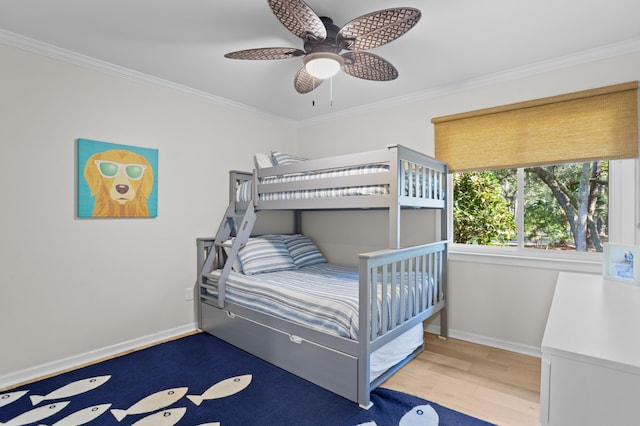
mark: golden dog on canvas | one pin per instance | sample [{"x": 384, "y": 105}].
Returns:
[{"x": 121, "y": 181}]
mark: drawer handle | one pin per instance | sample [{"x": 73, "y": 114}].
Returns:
[
  {"x": 230, "y": 315},
  {"x": 295, "y": 339}
]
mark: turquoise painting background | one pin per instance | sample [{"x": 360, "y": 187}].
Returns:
[{"x": 86, "y": 148}]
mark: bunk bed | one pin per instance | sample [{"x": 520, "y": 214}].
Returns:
[{"x": 386, "y": 298}]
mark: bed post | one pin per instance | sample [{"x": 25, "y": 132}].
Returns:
[
  {"x": 394, "y": 192},
  {"x": 444, "y": 236},
  {"x": 297, "y": 221},
  {"x": 364, "y": 334}
]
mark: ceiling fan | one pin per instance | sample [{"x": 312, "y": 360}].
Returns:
[{"x": 324, "y": 42}]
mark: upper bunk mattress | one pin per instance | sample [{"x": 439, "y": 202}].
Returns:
[
  {"x": 244, "y": 191},
  {"x": 323, "y": 297}
]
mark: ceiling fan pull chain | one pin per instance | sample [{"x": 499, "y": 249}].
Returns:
[
  {"x": 331, "y": 91},
  {"x": 313, "y": 92}
]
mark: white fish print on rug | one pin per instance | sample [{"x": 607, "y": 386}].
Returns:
[
  {"x": 153, "y": 402},
  {"x": 71, "y": 389},
  {"x": 83, "y": 416},
  {"x": 36, "y": 414},
  {"x": 8, "y": 398},
  {"x": 223, "y": 389},
  {"x": 422, "y": 415},
  {"x": 162, "y": 418}
]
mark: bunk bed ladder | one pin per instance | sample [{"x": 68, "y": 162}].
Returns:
[{"x": 236, "y": 224}]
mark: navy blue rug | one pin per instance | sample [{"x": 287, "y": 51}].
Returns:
[{"x": 201, "y": 380}]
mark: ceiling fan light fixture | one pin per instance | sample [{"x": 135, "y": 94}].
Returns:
[{"x": 323, "y": 65}]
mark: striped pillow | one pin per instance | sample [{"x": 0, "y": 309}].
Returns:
[
  {"x": 265, "y": 254},
  {"x": 281, "y": 159},
  {"x": 303, "y": 251}
]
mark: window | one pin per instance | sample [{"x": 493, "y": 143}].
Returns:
[
  {"x": 561, "y": 174},
  {"x": 484, "y": 207},
  {"x": 556, "y": 207}
]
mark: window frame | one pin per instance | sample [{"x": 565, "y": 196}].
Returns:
[{"x": 623, "y": 217}]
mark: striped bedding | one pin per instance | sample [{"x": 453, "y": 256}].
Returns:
[
  {"x": 323, "y": 296},
  {"x": 244, "y": 191}
]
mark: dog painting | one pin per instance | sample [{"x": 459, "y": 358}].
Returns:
[{"x": 119, "y": 180}]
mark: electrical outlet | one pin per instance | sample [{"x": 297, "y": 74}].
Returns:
[{"x": 188, "y": 293}]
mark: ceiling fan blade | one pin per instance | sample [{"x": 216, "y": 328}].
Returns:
[
  {"x": 299, "y": 18},
  {"x": 377, "y": 28},
  {"x": 368, "y": 66},
  {"x": 265, "y": 53},
  {"x": 305, "y": 82}
]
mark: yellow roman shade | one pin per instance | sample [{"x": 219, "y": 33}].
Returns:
[{"x": 582, "y": 126}]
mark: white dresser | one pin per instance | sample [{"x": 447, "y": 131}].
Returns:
[{"x": 591, "y": 353}]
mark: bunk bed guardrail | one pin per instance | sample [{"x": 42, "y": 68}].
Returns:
[
  {"x": 399, "y": 284},
  {"x": 399, "y": 288},
  {"x": 408, "y": 179}
]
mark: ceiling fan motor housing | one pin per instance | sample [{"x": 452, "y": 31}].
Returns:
[{"x": 329, "y": 44}]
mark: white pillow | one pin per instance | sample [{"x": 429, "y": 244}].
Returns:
[{"x": 262, "y": 160}]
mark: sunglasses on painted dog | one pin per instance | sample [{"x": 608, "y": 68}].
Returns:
[{"x": 110, "y": 169}]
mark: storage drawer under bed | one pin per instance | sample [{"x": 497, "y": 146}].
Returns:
[{"x": 331, "y": 369}]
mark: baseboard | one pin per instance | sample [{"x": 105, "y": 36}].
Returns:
[
  {"x": 30, "y": 374},
  {"x": 488, "y": 341},
  {"x": 75, "y": 361}
]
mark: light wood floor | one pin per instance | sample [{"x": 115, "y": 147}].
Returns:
[{"x": 491, "y": 384}]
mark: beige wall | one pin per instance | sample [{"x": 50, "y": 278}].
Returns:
[{"x": 70, "y": 286}]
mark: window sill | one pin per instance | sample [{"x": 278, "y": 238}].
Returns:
[{"x": 528, "y": 258}]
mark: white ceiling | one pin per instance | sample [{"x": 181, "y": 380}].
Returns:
[{"x": 456, "y": 42}]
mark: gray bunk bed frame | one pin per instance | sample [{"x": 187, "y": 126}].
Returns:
[{"x": 338, "y": 364}]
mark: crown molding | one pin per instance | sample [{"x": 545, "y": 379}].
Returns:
[
  {"x": 584, "y": 57},
  {"x": 591, "y": 55},
  {"x": 74, "y": 58}
]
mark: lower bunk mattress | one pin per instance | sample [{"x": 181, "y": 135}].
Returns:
[{"x": 323, "y": 297}]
